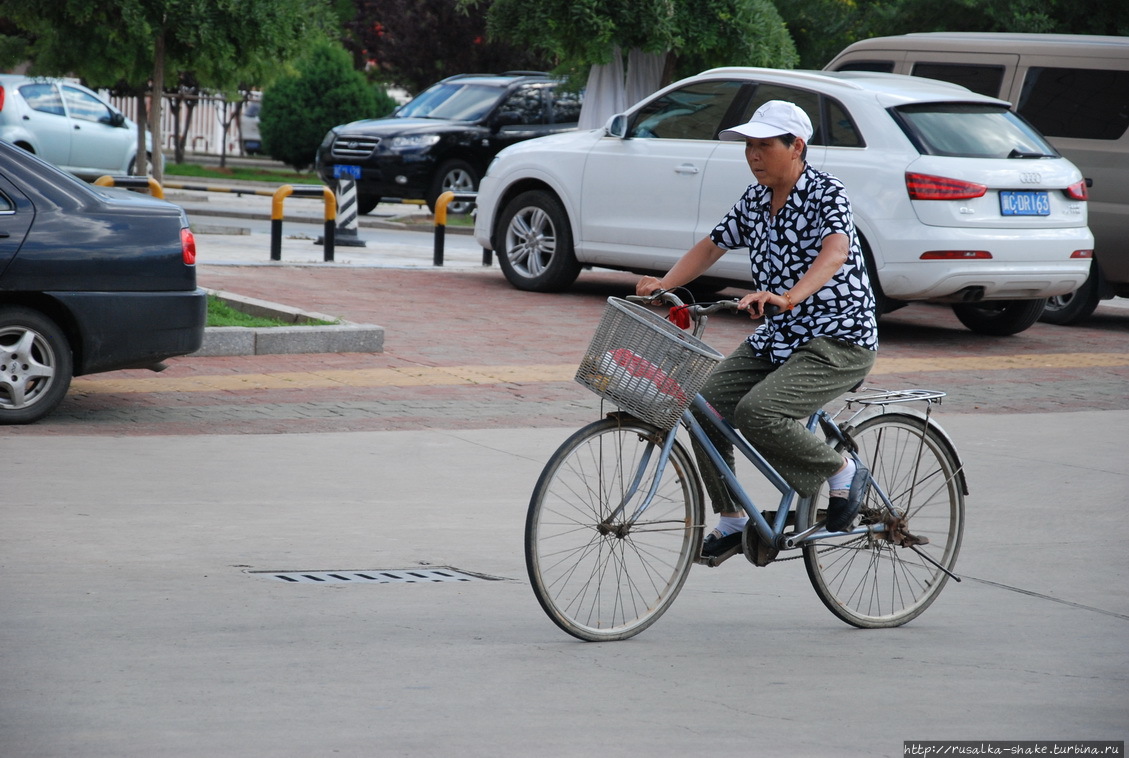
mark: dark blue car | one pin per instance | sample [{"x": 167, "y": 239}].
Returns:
[{"x": 91, "y": 279}]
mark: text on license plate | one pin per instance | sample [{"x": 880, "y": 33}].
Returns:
[
  {"x": 341, "y": 171},
  {"x": 1025, "y": 203}
]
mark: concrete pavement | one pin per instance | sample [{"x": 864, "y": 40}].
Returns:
[{"x": 134, "y": 623}]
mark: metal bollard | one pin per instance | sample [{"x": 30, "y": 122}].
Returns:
[
  {"x": 133, "y": 182},
  {"x": 302, "y": 190},
  {"x": 441, "y": 204}
]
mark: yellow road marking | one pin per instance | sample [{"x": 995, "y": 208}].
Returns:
[{"x": 436, "y": 376}]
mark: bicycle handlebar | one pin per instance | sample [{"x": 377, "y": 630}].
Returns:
[{"x": 695, "y": 310}]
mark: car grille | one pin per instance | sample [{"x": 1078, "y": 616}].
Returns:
[{"x": 351, "y": 148}]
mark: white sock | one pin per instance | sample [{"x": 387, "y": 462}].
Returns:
[
  {"x": 840, "y": 481},
  {"x": 731, "y": 524}
]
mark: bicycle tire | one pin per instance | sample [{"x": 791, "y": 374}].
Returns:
[
  {"x": 868, "y": 580},
  {"x": 611, "y": 582}
]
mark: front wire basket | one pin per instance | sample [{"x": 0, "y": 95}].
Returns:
[{"x": 644, "y": 364}]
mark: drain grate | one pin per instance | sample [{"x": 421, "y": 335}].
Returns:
[{"x": 378, "y": 576}]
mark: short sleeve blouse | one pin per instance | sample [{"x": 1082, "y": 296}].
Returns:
[{"x": 783, "y": 247}]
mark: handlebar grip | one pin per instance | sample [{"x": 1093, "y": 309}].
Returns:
[{"x": 770, "y": 309}]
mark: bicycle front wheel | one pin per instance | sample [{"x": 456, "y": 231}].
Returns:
[
  {"x": 878, "y": 579},
  {"x": 599, "y": 573}
]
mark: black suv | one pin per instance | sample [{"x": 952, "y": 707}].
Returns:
[{"x": 445, "y": 137}]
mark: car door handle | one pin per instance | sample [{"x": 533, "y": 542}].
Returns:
[{"x": 686, "y": 168}]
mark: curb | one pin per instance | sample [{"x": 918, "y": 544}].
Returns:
[{"x": 342, "y": 337}]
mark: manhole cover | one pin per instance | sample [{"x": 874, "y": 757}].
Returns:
[{"x": 377, "y": 576}]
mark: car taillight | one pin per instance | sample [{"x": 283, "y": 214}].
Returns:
[
  {"x": 1078, "y": 191},
  {"x": 1, "y": 97},
  {"x": 188, "y": 246},
  {"x": 927, "y": 187}
]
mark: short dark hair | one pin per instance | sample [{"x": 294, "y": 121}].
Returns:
[{"x": 789, "y": 140}]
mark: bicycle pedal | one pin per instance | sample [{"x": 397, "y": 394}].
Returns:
[{"x": 714, "y": 561}]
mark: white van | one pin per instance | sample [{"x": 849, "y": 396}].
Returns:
[{"x": 1073, "y": 88}]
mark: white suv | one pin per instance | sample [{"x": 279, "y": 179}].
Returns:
[{"x": 956, "y": 198}]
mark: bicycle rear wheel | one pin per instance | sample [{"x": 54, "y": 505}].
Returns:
[
  {"x": 597, "y": 576},
  {"x": 876, "y": 580}
]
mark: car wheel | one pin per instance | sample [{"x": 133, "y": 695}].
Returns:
[
  {"x": 1074, "y": 306},
  {"x": 999, "y": 318},
  {"x": 35, "y": 365},
  {"x": 536, "y": 253},
  {"x": 453, "y": 176},
  {"x": 367, "y": 203}
]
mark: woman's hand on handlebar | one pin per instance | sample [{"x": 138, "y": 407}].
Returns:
[
  {"x": 760, "y": 304},
  {"x": 647, "y": 286}
]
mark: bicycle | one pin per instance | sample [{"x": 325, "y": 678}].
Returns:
[{"x": 615, "y": 521}]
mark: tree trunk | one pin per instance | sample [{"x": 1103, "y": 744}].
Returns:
[
  {"x": 140, "y": 165},
  {"x": 156, "y": 103}
]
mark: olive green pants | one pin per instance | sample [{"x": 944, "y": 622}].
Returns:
[{"x": 770, "y": 405}]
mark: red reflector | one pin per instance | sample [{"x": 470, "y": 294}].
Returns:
[
  {"x": 956, "y": 255},
  {"x": 188, "y": 246},
  {"x": 1078, "y": 191},
  {"x": 927, "y": 187},
  {"x": 1082, "y": 254}
]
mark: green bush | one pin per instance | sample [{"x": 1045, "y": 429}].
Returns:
[{"x": 298, "y": 109}]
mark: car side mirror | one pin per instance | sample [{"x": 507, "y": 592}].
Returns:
[
  {"x": 116, "y": 119},
  {"x": 617, "y": 126}
]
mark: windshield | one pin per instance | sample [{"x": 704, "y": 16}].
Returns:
[
  {"x": 971, "y": 130},
  {"x": 455, "y": 102}
]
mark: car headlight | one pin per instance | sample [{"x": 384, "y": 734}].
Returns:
[{"x": 413, "y": 141}]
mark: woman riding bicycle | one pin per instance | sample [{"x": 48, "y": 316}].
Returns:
[{"x": 806, "y": 260}]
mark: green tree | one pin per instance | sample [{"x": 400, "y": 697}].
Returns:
[
  {"x": 821, "y": 28},
  {"x": 131, "y": 42},
  {"x": 299, "y": 108},
  {"x": 693, "y": 34}
]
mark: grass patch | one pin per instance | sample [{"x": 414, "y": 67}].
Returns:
[
  {"x": 249, "y": 174},
  {"x": 220, "y": 313}
]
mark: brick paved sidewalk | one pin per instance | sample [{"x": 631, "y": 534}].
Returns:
[{"x": 476, "y": 353}]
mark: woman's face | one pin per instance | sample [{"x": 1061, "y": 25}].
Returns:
[{"x": 773, "y": 163}]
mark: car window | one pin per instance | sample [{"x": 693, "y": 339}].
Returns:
[
  {"x": 691, "y": 112},
  {"x": 457, "y": 102},
  {"x": 44, "y": 98},
  {"x": 6, "y": 205},
  {"x": 970, "y": 130},
  {"x": 838, "y": 128},
  {"x": 565, "y": 107},
  {"x": 80, "y": 105},
  {"x": 980, "y": 78},
  {"x": 1073, "y": 102},
  {"x": 882, "y": 67},
  {"x": 527, "y": 103}
]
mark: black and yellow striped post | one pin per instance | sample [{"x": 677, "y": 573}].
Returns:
[
  {"x": 302, "y": 190},
  {"x": 441, "y": 204},
  {"x": 133, "y": 182}
]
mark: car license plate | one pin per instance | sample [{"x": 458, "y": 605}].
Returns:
[
  {"x": 1025, "y": 203},
  {"x": 341, "y": 171}
]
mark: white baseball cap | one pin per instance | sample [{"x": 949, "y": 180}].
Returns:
[{"x": 773, "y": 119}]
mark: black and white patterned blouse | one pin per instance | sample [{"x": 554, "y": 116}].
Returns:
[{"x": 783, "y": 247}]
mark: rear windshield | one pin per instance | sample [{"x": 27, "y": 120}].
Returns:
[
  {"x": 971, "y": 130},
  {"x": 456, "y": 102}
]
